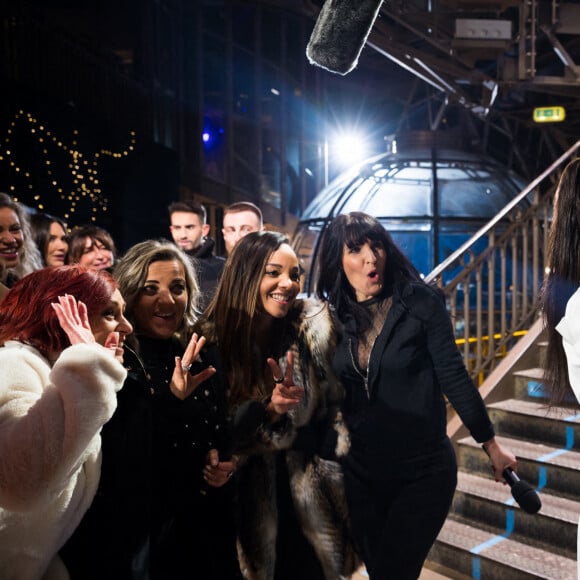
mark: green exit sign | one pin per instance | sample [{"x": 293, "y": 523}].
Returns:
[{"x": 549, "y": 114}]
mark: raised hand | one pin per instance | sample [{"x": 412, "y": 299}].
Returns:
[
  {"x": 73, "y": 319},
  {"x": 286, "y": 395},
  {"x": 182, "y": 382}
]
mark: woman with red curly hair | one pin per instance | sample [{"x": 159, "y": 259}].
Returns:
[{"x": 62, "y": 331}]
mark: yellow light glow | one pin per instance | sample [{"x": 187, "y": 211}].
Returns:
[{"x": 549, "y": 114}]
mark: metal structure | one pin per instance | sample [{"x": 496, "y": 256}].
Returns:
[
  {"x": 428, "y": 194},
  {"x": 497, "y": 59},
  {"x": 492, "y": 312},
  {"x": 495, "y": 265}
]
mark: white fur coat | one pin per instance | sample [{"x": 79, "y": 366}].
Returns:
[{"x": 50, "y": 420}]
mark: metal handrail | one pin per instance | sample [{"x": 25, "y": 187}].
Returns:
[
  {"x": 494, "y": 293},
  {"x": 501, "y": 215}
]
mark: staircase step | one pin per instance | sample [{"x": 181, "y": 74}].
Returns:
[
  {"x": 545, "y": 467},
  {"x": 529, "y": 385},
  {"x": 484, "y": 500},
  {"x": 533, "y": 420},
  {"x": 483, "y": 554}
]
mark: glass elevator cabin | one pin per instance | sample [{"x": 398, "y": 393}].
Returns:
[{"x": 431, "y": 200}]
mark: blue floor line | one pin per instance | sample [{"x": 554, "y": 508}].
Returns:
[
  {"x": 510, "y": 514},
  {"x": 558, "y": 452},
  {"x": 542, "y": 477},
  {"x": 552, "y": 455},
  {"x": 510, "y": 520}
]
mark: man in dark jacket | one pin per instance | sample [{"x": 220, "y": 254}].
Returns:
[{"x": 189, "y": 229}]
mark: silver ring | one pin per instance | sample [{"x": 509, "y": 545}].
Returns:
[
  {"x": 279, "y": 381},
  {"x": 185, "y": 368}
]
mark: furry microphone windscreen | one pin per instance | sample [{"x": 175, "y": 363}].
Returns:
[{"x": 340, "y": 33}]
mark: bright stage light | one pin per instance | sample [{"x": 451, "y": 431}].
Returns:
[{"x": 348, "y": 148}]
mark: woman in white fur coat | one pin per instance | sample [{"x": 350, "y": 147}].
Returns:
[{"x": 60, "y": 368}]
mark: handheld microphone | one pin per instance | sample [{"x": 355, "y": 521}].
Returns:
[{"x": 522, "y": 492}]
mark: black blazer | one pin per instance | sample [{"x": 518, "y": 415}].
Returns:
[{"x": 414, "y": 366}]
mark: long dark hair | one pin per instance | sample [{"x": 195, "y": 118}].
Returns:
[
  {"x": 233, "y": 312},
  {"x": 40, "y": 224},
  {"x": 563, "y": 279},
  {"x": 350, "y": 230}
]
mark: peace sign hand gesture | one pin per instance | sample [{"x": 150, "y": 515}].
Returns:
[{"x": 286, "y": 395}]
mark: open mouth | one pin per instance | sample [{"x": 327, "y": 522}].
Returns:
[
  {"x": 164, "y": 316},
  {"x": 281, "y": 298},
  {"x": 9, "y": 254},
  {"x": 373, "y": 275}
]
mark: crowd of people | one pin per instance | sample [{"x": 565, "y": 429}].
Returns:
[{"x": 168, "y": 413}]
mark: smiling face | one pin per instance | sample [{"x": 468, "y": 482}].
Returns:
[
  {"x": 281, "y": 282},
  {"x": 95, "y": 256},
  {"x": 57, "y": 246},
  {"x": 364, "y": 267},
  {"x": 11, "y": 238},
  {"x": 112, "y": 319},
  {"x": 161, "y": 304}
]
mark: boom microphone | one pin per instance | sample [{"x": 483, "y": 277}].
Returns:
[
  {"x": 522, "y": 492},
  {"x": 340, "y": 33}
]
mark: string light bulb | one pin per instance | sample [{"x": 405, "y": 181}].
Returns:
[{"x": 84, "y": 183}]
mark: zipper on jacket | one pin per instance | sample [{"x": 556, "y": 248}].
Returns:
[{"x": 356, "y": 368}]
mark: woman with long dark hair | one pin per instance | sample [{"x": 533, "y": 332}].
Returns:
[
  {"x": 561, "y": 296},
  {"x": 271, "y": 350},
  {"x": 397, "y": 359},
  {"x": 50, "y": 234}
]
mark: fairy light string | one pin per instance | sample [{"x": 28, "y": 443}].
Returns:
[{"x": 67, "y": 172}]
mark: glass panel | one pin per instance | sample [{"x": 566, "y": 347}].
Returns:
[
  {"x": 243, "y": 79},
  {"x": 326, "y": 199},
  {"x": 417, "y": 246},
  {"x": 399, "y": 199},
  {"x": 472, "y": 191}
]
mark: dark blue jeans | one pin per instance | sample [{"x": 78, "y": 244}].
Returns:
[{"x": 397, "y": 509}]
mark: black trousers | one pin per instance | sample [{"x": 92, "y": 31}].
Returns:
[{"x": 397, "y": 509}]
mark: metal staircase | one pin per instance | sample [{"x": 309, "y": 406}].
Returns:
[
  {"x": 487, "y": 535},
  {"x": 493, "y": 297}
]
